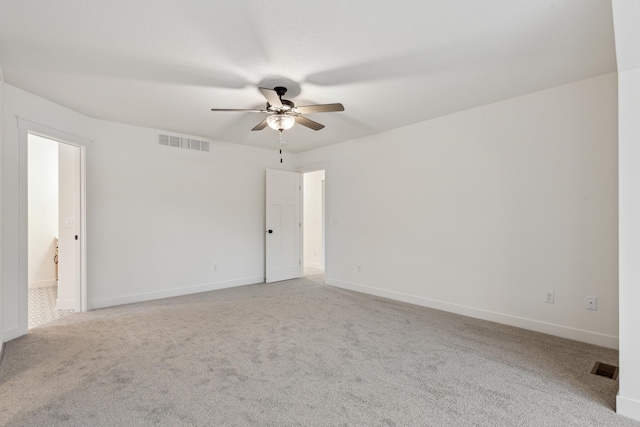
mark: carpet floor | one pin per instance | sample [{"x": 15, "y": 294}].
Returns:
[{"x": 298, "y": 353}]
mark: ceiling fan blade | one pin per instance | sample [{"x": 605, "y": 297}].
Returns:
[
  {"x": 272, "y": 97},
  {"x": 261, "y": 125},
  {"x": 322, "y": 108},
  {"x": 308, "y": 123},
  {"x": 240, "y": 110}
]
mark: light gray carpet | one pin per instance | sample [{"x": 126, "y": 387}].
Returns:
[{"x": 298, "y": 353}]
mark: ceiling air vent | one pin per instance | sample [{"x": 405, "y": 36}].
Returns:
[{"x": 189, "y": 144}]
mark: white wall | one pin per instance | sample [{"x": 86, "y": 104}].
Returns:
[
  {"x": 481, "y": 211},
  {"x": 628, "y": 401},
  {"x": 43, "y": 210},
  {"x": 164, "y": 216},
  {"x": 627, "y": 32},
  {"x": 68, "y": 225},
  {"x": 158, "y": 218},
  {"x": 1, "y": 210},
  {"x": 313, "y": 220}
]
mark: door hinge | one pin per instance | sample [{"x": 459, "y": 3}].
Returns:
[
  {"x": 299, "y": 225},
  {"x": 299, "y": 262}
]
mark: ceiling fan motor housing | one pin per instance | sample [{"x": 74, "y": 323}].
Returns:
[{"x": 286, "y": 104}]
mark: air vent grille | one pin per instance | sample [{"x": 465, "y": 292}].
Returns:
[
  {"x": 189, "y": 144},
  {"x": 604, "y": 370}
]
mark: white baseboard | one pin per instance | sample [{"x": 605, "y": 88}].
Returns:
[
  {"x": 629, "y": 408},
  {"x": 68, "y": 304},
  {"x": 595, "y": 338},
  {"x": 43, "y": 283},
  {"x": 175, "y": 292}
]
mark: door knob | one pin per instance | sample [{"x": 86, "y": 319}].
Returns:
[{"x": 270, "y": 231}]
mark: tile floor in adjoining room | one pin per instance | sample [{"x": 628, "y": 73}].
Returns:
[{"x": 42, "y": 306}]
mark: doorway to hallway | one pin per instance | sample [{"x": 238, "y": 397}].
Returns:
[{"x": 313, "y": 220}]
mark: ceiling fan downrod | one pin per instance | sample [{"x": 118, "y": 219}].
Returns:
[
  {"x": 280, "y": 90},
  {"x": 280, "y": 145}
]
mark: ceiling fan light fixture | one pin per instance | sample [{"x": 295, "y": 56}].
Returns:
[{"x": 281, "y": 122}]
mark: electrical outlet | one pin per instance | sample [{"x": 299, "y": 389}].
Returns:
[
  {"x": 592, "y": 303},
  {"x": 359, "y": 269},
  {"x": 549, "y": 297},
  {"x": 215, "y": 267}
]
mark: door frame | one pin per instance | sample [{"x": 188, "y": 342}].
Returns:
[
  {"x": 314, "y": 167},
  {"x": 27, "y": 127}
]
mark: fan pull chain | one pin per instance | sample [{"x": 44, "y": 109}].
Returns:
[{"x": 280, "y": 145}]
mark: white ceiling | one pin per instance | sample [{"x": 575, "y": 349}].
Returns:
[{"x": 165, "y": 63}]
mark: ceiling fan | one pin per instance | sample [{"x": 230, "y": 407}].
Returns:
[{"x": 283, "y": 114}]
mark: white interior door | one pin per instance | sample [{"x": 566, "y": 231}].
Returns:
[
  {"x": 283, "y": 226},
  {"x": 68, "y": 229}
]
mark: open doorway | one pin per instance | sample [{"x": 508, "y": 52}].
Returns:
[
  {"x": 53, "y": 217},
  {"x": 313, "y": 219}
]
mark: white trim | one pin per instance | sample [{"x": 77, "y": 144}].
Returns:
[
  {"x": 175, "y": 292},
  {"x": 43, "y": 284},
  {"x": 23, "y": 241},
  {"x": 52, "y": 133},
  {"x": 627, "y": 407},
  {"x": 65, "y": 304},
  {"x": 81, "y": 291},
  {"x": 506, "y": 319}
]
